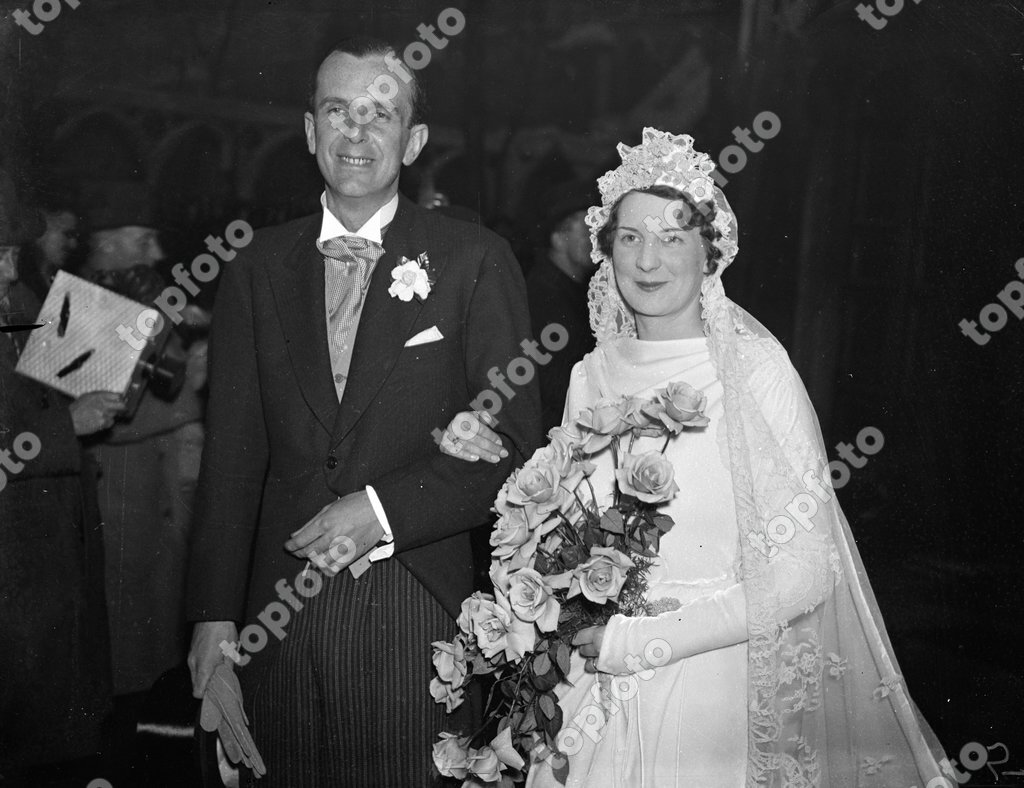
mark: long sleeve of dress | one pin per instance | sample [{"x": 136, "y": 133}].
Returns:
[{"x": 634, "y": 644}]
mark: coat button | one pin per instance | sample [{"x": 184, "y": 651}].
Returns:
[{"x": 332, "y": 463}]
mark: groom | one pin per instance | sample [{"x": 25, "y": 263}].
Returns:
[{"x": 325, "y": 388}]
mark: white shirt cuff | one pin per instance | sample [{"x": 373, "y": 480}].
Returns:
[{"x": 388, "y": 549}]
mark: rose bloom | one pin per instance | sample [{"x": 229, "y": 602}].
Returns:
[
  {"x": 506, "y": 751},
  {"x": 501, "y": 504},
  {"x": 570, "y": 472},
  {"x": 470, "y": 607},
  {"x": 603, "y": 422},
  {"x": 498, "y": 574},
  {"x": 606, "y": 417},
  {"x": 557, "y": 456},
  {"x": 685, "y": 404},
  {"x": 570, "y": 436},
  {"x": 645, "y": 417},
  {"x": 537, "y": 484},
  {"x": 451, "y": 756},
  {"x": 633, "y": 413},
  {"x": 485, "y": 764},
  {"x": 601, "y": 577},
  {"x": 445, "y": 693},
  {"x": 510, "y": 531},
  {"x": 495, "y": 628},
  {"x": 450, "y": 660},
  {"x": 409, "y": 280},
  {"x": 521, "y": 637},
  {"x": 679, "y": 405},
  {"x": 523, "y": 555},
  {"x": 531, "y": 600},
  {"x": 650, "y": 477},
  {"x": 595, "y": 442}
]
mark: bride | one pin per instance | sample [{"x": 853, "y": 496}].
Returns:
[{"x": 770, "y": 664}]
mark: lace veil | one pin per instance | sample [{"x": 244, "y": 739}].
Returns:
[{"x": 826, "y": 701}]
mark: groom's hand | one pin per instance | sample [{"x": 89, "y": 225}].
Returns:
[
  {"x": 206, "y": 652},
  {"x": 338, "y": 534}
]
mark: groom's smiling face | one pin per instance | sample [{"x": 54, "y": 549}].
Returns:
[{"x": 360, "y": 160}]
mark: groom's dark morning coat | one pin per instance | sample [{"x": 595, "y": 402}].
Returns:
[
  {"x": 343, "y": 699},
  {"x": 279, "y": 446}
]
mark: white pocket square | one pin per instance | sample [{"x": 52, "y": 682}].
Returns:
[{"x": 422, "y": 338}]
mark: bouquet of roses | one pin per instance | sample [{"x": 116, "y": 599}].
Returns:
[{"x": 560, "y": 564}]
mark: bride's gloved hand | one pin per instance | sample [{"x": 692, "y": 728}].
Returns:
[
  {"x": 469, "y": 438},
  {"x": 589, "y": 642},
  {"x": 636, "y": 644}
]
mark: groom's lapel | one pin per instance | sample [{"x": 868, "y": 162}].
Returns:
[
  {"x": 298, "y": 287},
  {"x": 385, "y": 322}
]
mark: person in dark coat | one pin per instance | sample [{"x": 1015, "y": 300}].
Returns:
[
  {"x": 54, "y": 659},
  {"x": 332, "y": 366},
  {"x": 556, "y": 287}
]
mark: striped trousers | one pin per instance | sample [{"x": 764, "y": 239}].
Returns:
[{"x": 344, "y": 699}]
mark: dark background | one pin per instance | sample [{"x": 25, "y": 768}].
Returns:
[{"x": 887, "y": 209}]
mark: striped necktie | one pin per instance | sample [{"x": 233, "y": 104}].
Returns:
[{"x": 348, "y": 266}]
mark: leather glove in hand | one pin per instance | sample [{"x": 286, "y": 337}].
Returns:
[{"x": 222, "y": 712}]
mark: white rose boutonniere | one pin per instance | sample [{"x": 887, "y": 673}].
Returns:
[{"x": 411, "y": 278}]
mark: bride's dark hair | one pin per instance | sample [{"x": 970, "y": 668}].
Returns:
[{"x": 701, "y": 217}]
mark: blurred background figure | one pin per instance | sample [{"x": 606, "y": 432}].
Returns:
[
  {"x": 55, "y": 660},
  {"x": 422, "y": 180},
  {"x": 44, "y": 256},
  {"x": 149, "y": 467},
  {"x": 122, "y": 236},
  {"x": 556, "y": 287}
]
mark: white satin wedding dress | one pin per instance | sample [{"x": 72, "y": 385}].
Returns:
[{"x": 685, "y": 725}]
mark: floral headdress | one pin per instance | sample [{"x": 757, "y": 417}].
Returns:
[{"x": 662, "y": 159}]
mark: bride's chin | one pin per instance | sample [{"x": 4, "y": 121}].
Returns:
[
  {"x": 650, "y": 312},
  {"x": 643, "y": 304}
]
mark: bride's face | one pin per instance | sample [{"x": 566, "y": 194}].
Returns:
[{"x": 659, "y": 271}]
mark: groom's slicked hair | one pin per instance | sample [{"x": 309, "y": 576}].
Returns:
[{"x": 369, "y": 46}]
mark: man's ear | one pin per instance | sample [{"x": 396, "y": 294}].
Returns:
[
  {"x": 310, "y": 124},
  {"x": 418, "y": 135}
]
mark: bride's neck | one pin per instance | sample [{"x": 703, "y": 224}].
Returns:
[{"x": 687, "y": 325}]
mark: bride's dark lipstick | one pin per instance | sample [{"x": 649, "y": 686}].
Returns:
[{"x": 650, "y": 287}]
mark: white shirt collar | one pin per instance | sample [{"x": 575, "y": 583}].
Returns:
[{"x": 331, "y": 227}]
